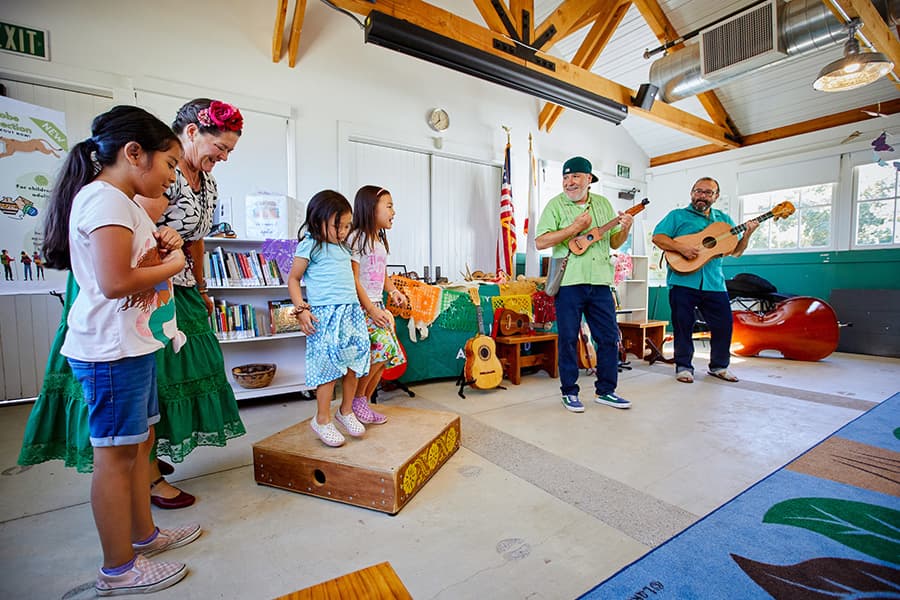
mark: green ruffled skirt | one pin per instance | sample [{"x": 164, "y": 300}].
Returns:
[
  {"x": 197, "y": 405},
  {"x": 57, "y": 428}
]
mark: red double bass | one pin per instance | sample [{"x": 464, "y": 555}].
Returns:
[{"x": 801, "y": 328}]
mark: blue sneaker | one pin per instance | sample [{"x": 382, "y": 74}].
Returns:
[
  {"x": 612, "y": 399},
  {"x": 572, "y": 403}
]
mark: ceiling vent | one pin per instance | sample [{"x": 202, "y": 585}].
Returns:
[{"x": 747, "y": 40}]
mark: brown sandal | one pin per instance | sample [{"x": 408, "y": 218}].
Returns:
[{"x": 724, "y": 375}]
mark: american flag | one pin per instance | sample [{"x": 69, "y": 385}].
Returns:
[{"x": 506, "y": 244}]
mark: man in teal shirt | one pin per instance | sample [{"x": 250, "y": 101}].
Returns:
[
  {"x": 585, "y": 289},
  {"x": 702, "y": 289}
]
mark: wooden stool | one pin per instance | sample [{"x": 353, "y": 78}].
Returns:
[
  {"x": 378, "y": 582},
  {"x": 546, "y": 354},
  {"x": 636, "y": 333}
]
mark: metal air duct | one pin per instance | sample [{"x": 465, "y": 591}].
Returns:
[
  {"x": 402, "y": 36},
  {"x": 803, "y": 26}
]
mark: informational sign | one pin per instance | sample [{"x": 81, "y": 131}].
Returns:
[
  {"x": 33, "y": 145},
  {"x": 25, "y": 41}
]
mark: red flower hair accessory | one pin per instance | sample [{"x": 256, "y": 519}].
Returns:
[{"x": 221, "y": 115}]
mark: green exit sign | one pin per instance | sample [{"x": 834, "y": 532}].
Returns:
[
  {"x": 623, "y": 171},
  {"x": 17, "y": 39}
]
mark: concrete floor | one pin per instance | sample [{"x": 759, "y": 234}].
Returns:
[{"x": 537, "y": 503}]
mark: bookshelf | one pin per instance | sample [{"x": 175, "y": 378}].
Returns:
[
  {"x": 633, "y": 293},
  {"x": 242, "y": 291}
]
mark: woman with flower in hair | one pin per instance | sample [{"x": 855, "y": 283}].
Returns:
[{"x": 197, "y": 404}]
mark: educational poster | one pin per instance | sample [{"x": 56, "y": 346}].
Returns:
[{"x": 33, "y": 145}]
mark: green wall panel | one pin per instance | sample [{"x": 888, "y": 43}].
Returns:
[{"x": 807, "y": 273}]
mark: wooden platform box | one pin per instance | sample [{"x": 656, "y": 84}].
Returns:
[{"x": 382, "y": 470}]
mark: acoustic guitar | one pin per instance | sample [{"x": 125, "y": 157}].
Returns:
[
  {"x": 718, "y": 239},
  {"x": 587, "y": 354},
  {"x": 512, "y": 323},
  {"x": 580, "y": 244},
  {"x": 483, "y": 368}
]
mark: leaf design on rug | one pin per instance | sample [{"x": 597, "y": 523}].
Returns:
[
  {"x": 823, "y": 578},
  {"x": 897, "y": 433},
  {"x": 871, "y": 529}
]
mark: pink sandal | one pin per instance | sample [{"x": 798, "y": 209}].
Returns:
[{"x": 365, "y": 414}]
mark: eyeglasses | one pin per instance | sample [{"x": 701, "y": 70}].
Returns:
[{"x": 700, "y": 192}]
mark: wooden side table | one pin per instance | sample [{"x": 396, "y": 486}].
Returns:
[
  {"x": 545, "y": 356},
  {"x": 636, "y": 333}
]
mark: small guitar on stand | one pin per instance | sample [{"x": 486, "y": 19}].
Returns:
[
  {"x": 717, "y": 239},
  {"x": 580, "y": 244},
  {"x": 483, "y": 369}
]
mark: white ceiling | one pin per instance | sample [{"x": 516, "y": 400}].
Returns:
[{"x": 770, "y": 98}]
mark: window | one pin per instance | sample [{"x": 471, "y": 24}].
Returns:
[
  {"x": 877, "y": 222},
  {"x": 809, "y": 227}
]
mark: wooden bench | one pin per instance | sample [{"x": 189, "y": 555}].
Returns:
[
  {"x": 378, "y": 582},
  {"x": 545, "y": 354},
  {"x": 636, "y": 333}
]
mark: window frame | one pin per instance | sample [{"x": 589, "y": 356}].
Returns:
[
  {"x": 832, "y": 207},
  {"x": 854, "y": 208}
]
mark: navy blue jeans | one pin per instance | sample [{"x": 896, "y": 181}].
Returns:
[
  {"x": 716, "y": 309},
  {"x": 595, "y": 302}
]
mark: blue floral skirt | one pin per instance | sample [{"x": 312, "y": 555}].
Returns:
[{"x": 341, "y": 342}]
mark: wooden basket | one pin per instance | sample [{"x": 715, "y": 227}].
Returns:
[{"x": 254, "y": 375}]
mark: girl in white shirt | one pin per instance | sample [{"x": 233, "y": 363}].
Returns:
[
  {"x": 373, "y": 214},
  {"x": 123, "y": 314}
]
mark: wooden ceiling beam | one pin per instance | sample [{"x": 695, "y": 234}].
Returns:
[
  {"x": 571, "y": 16},
  {"x": 585, "y": 57},
  {"x": 496, "y": 16},
  {"x": 447, "y": 24},
  {"x": 278, "y": 36},
  {"x": 665, "y": 32},
  {"x": 842, "y": 118},
  {"x": 296, "y": 27},
  {"x": 523, "y": 18},
  {"x": 874, "y": 29}
]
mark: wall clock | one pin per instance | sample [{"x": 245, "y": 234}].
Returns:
[{"x": 439, "y": 120}]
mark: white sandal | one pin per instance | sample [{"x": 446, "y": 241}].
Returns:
[
  {"x": 328, "y": 433},
  {"x": 350, "y": 423}
]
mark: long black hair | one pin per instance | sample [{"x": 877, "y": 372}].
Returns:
[
  {"x": 324, "y": 209},
  {"x": 110, "y": 132},
  {"x": 365, "y": 231}
]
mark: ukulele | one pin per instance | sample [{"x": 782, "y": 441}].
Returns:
[
  {"x": 587, "y": 354},
  {"x": 580, "y": 244},
  {"x": 482, "y": 368},
  {"x": 512, "y": 323},
  {"x": 717, "y": 239}
]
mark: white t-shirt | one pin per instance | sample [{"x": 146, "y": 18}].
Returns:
[
  {"x": 372, "y": 269},
  {"x": 103, "y": 329}
]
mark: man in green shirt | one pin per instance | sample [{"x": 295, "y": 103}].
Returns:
[
  {"x": 703, "y": 289},
  {"x": 586, "y": 285}
]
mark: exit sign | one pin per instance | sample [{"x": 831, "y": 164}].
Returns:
[
  {"x": 25, "y": 41},
  {"x": 623, "y": 171}
]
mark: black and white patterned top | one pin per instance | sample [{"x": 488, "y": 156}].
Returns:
[{"x": 190, "y": 213}]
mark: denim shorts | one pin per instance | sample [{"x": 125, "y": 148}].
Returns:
[{"x": 121, "y": 399}]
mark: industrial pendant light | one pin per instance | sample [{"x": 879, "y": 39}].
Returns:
[{"x": 855, "y": 69}]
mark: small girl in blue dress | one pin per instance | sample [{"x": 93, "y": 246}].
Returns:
[{"x": 337, "y": 343}]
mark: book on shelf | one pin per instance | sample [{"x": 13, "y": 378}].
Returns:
[
  {"x": 237, "y": 321},
  {"x": 281, "y": 317},
  {"x": 222, "y": 268}
]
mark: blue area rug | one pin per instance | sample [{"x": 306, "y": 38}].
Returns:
[{"x": 824, "y": 526}]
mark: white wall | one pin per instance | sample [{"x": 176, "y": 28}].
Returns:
[{"x": 223, "y": 49}]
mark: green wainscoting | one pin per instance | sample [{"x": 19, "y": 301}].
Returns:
[{"x": 807, "y": 274}]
